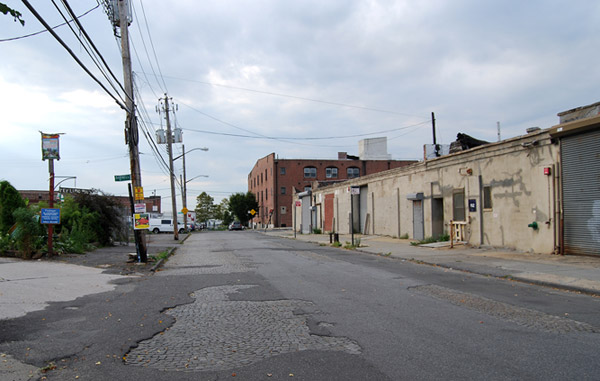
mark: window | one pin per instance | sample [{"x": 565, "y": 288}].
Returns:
[
  {"x": 282, "y": 171},
  {"x": 282, "y": 190},
  {"x": 283, "y": 210},
  {"x": 487, "y": 197},
  {"x": 353, "y": 172},
  {"x": 266, "y": 175},
  {"x": 331, "y": 173},
  {"x": 458, "y": 205},
  {"x": 310, "y": 172}
]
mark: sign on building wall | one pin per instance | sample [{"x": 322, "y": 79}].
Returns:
[{"x": 50, "y": 147}]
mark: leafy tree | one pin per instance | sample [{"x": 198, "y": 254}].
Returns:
[
  {"x": 223, "y": 213},
  {"x": 101, "y": 215},
  {"x": 5, "y": 9},
  {"x": 29, "y": 234},
  {"x": 10, "y": 200},
  {"x": 205, "y": 207},
  {"x": 240, "y": 204}
]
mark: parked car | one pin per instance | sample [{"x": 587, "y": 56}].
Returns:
[
  {"x": 236, "y": 225},
  {"x": 164, "y": 226}
]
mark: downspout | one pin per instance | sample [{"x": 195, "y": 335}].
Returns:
[
  {"x": 481, "y": 236},
  {"x": 276, "y": 195}
]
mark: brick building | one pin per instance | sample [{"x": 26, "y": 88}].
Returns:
[{"x": 274, "y": 181}]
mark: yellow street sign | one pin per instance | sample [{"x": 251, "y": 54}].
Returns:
[
  {"x": 184, "y": 210},
  {"x": 253, "y": 212},
  {"x": 138, "y": 193}
]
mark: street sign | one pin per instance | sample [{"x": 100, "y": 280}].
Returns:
[
  {"x": 140, "y": 208},
  {"x": 50, "y": 216},
  {"x": 354, "y": 190},
  {"x": 298, "y": 203},
  {"x": 184, "y": 210},
  {"x": 138, "y": 193},
  {"x": 122, "y": 177},
  {"x": 253, "y": 212}
]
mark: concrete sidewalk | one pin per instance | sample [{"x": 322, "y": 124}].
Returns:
[{"x": 575, "y": 273}]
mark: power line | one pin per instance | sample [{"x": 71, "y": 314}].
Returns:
[
  {"x": 152, "y": 45},
  {"x": 87, "y": 37},
  {"x": 297, "y": 97},
  {"x": 44, "y": 31},
  {"x": 64, "y": 45}
]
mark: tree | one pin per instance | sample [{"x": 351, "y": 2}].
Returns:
[
  {"x": 10, "y": 200},
  {"x": 205, "y": 208},
  {"x": 223, "y": 213},
  {"x": 240, "y": 204},
  {"x": 100, "y": 217},
  {"x": 5, "y": 9}
]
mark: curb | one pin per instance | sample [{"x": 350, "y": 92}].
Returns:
[{"x": 162, "y": 260}]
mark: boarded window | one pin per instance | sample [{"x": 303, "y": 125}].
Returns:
[
  {"x": 487, "y": 197},
  {"x": 458, "y": 205}
]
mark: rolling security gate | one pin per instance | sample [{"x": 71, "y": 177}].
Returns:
[{"x": 580, "y": 155}]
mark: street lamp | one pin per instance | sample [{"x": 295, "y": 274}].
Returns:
[
  {"x": 184, "y": 181},
  {"x": 65, "y": 178}
]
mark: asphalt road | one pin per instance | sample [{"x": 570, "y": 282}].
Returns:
[{"x": 241, "y": 305}]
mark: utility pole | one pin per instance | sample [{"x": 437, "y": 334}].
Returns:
[
  {"x": 171, "y": 171},
  {"x": 131, "y": 128},
  {"x": 436, "y": 148},
  {"x": 184, "y": 190}
]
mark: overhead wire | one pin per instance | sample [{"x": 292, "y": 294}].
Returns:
[
  {"x": 44, "y": 31},
  {"x": 297, "y": 97},
  {"x": 152, "y": 45},
  {"x": 93, "y": 46},
  {"x": 163, "y": 89},
  {"x": 71, "y": 53}
]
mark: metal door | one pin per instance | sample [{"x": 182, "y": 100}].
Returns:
[
  {"x": 581, "y": 193},
  {"x": 418, "y": 224},
  {"x": 306, "y": 215}
]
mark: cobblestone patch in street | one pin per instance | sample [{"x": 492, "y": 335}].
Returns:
[
  {"x": 518, "y": 315},
  {"x": 213, "y": 262},
  {"x": 214, "y": 333}
]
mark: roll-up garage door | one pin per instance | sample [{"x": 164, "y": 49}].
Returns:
[{"x": 580, "y": 156}]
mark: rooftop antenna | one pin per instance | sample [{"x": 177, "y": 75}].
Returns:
[{"x": 498, "y": 125}]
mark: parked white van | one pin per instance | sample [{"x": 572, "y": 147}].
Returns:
[{"x": 164, "y": 225}]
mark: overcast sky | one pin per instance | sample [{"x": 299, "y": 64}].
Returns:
[{"x": 255, "y": 77}]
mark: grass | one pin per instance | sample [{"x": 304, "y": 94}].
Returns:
[
  {"x": 336, "y": 244},
  {"x": 442, "y": 238},
  {"x": 404, "y": 236},
  {"x": 162, "y": 255},
  {"x": 350, "y": 246}
]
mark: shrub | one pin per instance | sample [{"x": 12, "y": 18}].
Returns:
[
  {"x": 317, "y": 231},
  {"x": 28, "y": 234},
  {"x": 10, "y": 200}
]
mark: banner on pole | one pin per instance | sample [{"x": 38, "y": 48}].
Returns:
[{"x": 50, "y": 147}]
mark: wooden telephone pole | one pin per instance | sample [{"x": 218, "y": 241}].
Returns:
[{"x": 131, "y": 128}]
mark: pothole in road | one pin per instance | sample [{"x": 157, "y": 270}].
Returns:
[
  {"x": 215, "y": 333},
  {"x": 519, "y": 315}
]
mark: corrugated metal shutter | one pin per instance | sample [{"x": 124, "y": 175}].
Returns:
[{"x": 581, "y": 193}]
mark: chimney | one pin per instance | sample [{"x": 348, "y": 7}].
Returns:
[{"x": 342, "y": 155}]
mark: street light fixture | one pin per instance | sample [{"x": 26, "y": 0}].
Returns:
[{"x": 184, "y": 181}]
